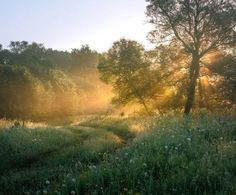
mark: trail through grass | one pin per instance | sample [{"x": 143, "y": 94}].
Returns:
[
  {"x": 109, "y": 155},
  {"x": 31, "y": 156}
]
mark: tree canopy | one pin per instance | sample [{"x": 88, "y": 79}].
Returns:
[
  {"x": 198, "y": 25},
  {"x": 126, "y": 67}
]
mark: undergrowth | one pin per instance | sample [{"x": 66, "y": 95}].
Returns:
[{"x": 172, "y": 155}]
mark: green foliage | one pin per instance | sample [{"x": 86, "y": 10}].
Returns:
[
  {"x": 66, "y": 80},
  {"x": 189, "y": 21},
  {"x": 199, "y": 26},
  {"x": 225, "y": 66},
  {"x": 19, "y": 90},
  {"x": 23, "y": 92},
  {"x": 128, "y": 70},
  {"x": 34, "y": 54},
  {"x": 84, "y": 60}
]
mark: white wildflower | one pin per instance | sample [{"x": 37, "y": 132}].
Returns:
[
  {"x": 145, "y": 174},
  {"x": 92, "y": 167}
]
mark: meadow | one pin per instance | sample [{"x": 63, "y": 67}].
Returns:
[{"x": 169, "y": 154}]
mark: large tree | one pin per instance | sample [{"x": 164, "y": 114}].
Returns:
[
  {"x": 199, "y": 26},
  {"x": 126, "y": 67}
]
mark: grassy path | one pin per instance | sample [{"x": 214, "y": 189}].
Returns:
[
  {"x": 30, "y": 157},
  {"x": 175, "y": 155}
]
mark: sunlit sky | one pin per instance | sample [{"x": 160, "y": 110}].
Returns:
[{"x": 66, "y": 24}]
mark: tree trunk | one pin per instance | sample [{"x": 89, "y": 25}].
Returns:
[
  {"x": 142, "y": 101},
  {"x": 146, "y": 108},
  {"x": 194, "y": 74}
]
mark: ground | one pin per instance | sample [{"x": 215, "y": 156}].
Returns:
[{"x": 171, "y": 154}]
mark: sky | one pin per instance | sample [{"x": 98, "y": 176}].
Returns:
[{"x": 67, "y": 24}]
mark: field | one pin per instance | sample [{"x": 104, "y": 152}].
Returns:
[{"x": 169, "y": 154}]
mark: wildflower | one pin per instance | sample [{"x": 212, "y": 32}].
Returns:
[
  {"x": 73, "y": 180},
  {"x": 173, "y": 136},
  {"x": 92, "y": 167},
  {"x": 166, "y": 147},
  {"x": 189, "y": 139},
  {"x": 131, "y": 161},
  {"x": 201, "y": 130},
  {"x": 47, "y": 182},
  {"x": 176, "y": 148},
  {"x": 145, "y": 174},
  {"x": 72, "y": 192},
  {"x": 221, "y": 138}
]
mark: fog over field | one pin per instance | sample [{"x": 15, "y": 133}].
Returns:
[{"x": 121, "y": 97}]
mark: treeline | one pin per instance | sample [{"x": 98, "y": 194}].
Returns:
[
  {"x": 40, "y": 83},
  {"x": 36, "y": 82}
]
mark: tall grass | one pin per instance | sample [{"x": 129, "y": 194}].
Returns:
[
  {"x": 179, "y": 155},
  {"x": 107, "y": 155}
]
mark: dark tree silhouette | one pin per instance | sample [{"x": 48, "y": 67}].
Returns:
[{"x": 199, "y": 25}]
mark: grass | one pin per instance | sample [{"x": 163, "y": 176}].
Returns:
[{"x": 107, "y": 155}]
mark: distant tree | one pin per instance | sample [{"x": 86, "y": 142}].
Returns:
[
  {"x": 18, "y": 92},
  {"x": 84, "y": 60},
  {"x": 127, "y": 69},
  {"x": 0, "y": 47},
  {"x": 30, "y": 78},
  {"x": 199, "y": 25},
  {"x": 17, "y": 46}
]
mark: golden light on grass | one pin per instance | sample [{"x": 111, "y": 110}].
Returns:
[
  {"x": 7, "y": 123},
  {"x": 136, "y": 128}
]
